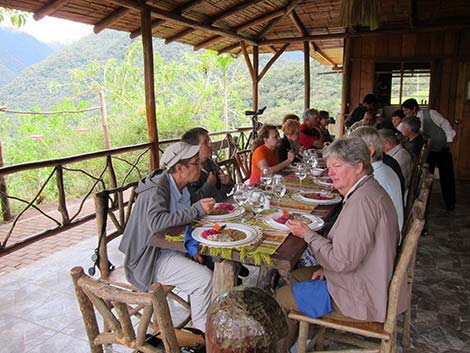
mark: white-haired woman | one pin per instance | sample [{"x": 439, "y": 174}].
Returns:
[{"x": 357, "y": 256}]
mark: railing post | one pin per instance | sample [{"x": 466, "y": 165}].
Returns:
[
  {"x": 5, "y": 202},
  {"x": 62, "y": 198},
  {"x": 112, "y": 174},
  {"x": 104, "y": 122}
]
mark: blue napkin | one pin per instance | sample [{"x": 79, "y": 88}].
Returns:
[
  {"x": 312, "y": 297},
  {"x": 192, "y": 246}
]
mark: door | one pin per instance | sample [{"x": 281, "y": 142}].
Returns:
[{"x": 462, "y": 123}]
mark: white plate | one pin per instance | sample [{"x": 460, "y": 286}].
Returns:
[
  {"x": 324, "y": 180},
  {"x": 270, "y": 220},
  {"x": 251, "y": 234},
  {"x": 299, "y": 197},
  {"x": 238, "y": 211}
]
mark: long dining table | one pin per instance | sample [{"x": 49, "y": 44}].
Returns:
[{"x": 226, "y": 270}]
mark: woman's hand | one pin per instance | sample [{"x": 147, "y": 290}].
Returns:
[
  {"x": 318, "y": 274},
  {"x": 290, "y": 156},
  {"x": 297, "y": 228}
]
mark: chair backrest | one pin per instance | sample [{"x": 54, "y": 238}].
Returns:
[
  {"x": 115, "y": 204},
  {"x": 225, "y": 148},
  {"x": 230, "y": 167},
  {"x": 114, "y": 304},
  {"x": 243, "y": 158},
  {"x": 408, "y": 250}
]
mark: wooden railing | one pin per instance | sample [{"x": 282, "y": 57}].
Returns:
[{"x": 105, "y": 179}]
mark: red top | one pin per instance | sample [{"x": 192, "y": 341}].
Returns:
[
  {"x": 308, "y": 136},
  {"x": 260, "y": 153}
]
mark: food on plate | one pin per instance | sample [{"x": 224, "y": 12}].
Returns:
[
  {"x": 317, "y": 196},
  {"x": 292, "y": 216},
  {"x": 222, "y": 209},
  {"x": 326, "y": 179},
  {"x": 222, "y": 234}
]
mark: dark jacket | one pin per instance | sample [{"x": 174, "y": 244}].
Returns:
[{"x": 284, "y": 149}]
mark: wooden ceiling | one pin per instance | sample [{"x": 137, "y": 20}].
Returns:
[{"x": 222, "y": 25}]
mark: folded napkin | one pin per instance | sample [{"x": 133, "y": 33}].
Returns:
[{"x": 192, "y": 246}]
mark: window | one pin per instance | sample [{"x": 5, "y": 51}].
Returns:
[{"x": 396, "y": 82}]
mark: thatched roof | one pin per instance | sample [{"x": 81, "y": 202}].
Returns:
[{"x": 222, "y": 25}]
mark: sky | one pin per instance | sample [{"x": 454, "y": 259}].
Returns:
[{"x": 51, "y": 29}]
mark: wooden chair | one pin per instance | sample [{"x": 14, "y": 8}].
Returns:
[
  {"x": 243, "y": 158},
  {"x": 225, "y": 148},
  {"x": 112, "y": 204},
  {"x": 384, "y": 332},
  {"x": 230, "y": 167},
  {"x": 113, "y": 304},
  {"x": 422, "y": 200}
]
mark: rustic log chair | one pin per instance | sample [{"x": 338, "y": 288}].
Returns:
[
  {"x": 113, "y": 305},
  {"x": 413, "y": 188},
  {"x": 243, "y": 158},
  {"x": 225, "y": 148},
  {"x": 425, "y": 187},
  {"x": 385, "y": 332},
  {"x": 106, "y": 202},
  {"x": 230, "y": 167}
]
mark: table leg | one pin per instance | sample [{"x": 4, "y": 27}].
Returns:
[
  {"x": 267, "y": 278},
  {"x": 224, "y": 277}
]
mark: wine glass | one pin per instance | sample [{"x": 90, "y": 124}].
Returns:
[
  {"x": 266, "y": 178},
  {"x": 279, "y": 188},
  {"x": 240, "y": 194},
  {"x": 256, "y": 199},
  {"x": 301, "y": 173}
]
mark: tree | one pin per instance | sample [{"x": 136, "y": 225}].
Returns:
[{"x": 17, "y": 18}]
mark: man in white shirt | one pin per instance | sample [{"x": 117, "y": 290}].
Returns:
[
  {"x": 393, "y": 148},
  {"x": 438, "y": 129}
]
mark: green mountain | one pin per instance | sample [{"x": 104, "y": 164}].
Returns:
[{"x": 17, "y": 51}]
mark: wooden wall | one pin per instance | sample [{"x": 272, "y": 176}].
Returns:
[{"x": 442, "y": 48}]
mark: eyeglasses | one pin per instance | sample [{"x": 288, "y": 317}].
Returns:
[{"x": 195, "y": 163}]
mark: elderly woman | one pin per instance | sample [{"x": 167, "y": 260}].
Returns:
[
  {"x": 290, "y": 141},
  {"x": 265, "y": 153},
  {"x": 357, "y": 257}
]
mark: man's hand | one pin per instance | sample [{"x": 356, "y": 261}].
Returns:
[
  {"x": 199, "y": 258},
  {"x": 212, "y": 178},
  {"x": 207, "y": 204},
  {"x": 318, "y": 274},
  {"x": 224, "y": 178},
  {"x": 298, "y": 228},
  {"x": 291, "y": 156}
]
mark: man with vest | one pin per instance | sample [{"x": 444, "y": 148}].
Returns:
[{"x": 438, "y": 129}]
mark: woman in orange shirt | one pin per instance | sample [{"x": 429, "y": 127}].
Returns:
[{"x": 265, "y": 153}]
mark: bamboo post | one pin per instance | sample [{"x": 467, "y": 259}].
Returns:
[
  {"x": 111, "y": 172},
  {"x": 104, "y": 121},
  {"x": 59, "y": 174},
  {"x": 4, "y": 201},
  {"x": 146, "y": 24},
  {"x": 306, "y": 75},
  {"x": 88, "y": 313},
  {"x": 346, "y": 86},
  {"x": 255, "y": 80}
]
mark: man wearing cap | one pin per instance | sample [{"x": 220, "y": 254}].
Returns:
[{"x": 163, "y": 202}]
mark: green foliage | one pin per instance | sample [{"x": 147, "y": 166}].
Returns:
[{"x": 17, "y": 18}]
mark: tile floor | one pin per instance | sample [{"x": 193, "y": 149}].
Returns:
[{"x": 39, "y": 313}]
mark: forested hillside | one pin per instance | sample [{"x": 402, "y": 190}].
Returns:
[{"x": 17, "y": 51}]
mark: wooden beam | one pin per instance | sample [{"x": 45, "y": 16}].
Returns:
[
  {"x": 256, "y": 81},
  {"x": 298, "y": 24},
  {"x": 306, "y": 76},
  {"x": 320, "y": 53},
  {"x": 214, "y": 19},
  {"x": 49, "y": 8},
  {"x": 149, "y": 86},
  {"x": 179, "y": 10},
  {"x": 241, "y": 27},
  {"x": 248, "y": 61},
  {"x": 228, "y": 48},
  {"x": 287, "y": 10},
  {"x": 346, "y": 86},
  {"x": 272, "y": 61},
  {"x": 268, "y": 42},
  {"x": 130, "y": 4},
  {"x": 109, "y": 20}
]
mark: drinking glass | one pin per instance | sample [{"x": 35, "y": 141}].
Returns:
[
  {"x": 301, "y": 173},
  {"x": 256, "y": 200},
  {"x": 266, "y": 178},
  {"x": 240, "y": 194}
]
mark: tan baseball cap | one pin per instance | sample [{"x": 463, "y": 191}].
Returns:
[{"x": 176, "y": 152}]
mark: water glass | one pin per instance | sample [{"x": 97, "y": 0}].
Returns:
[
  {"x": 257, "y": 199},
  {"x": 266, "y": 177},
  {"x": 301, "y": 173},
  {"x": 240, "y": 194}
]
